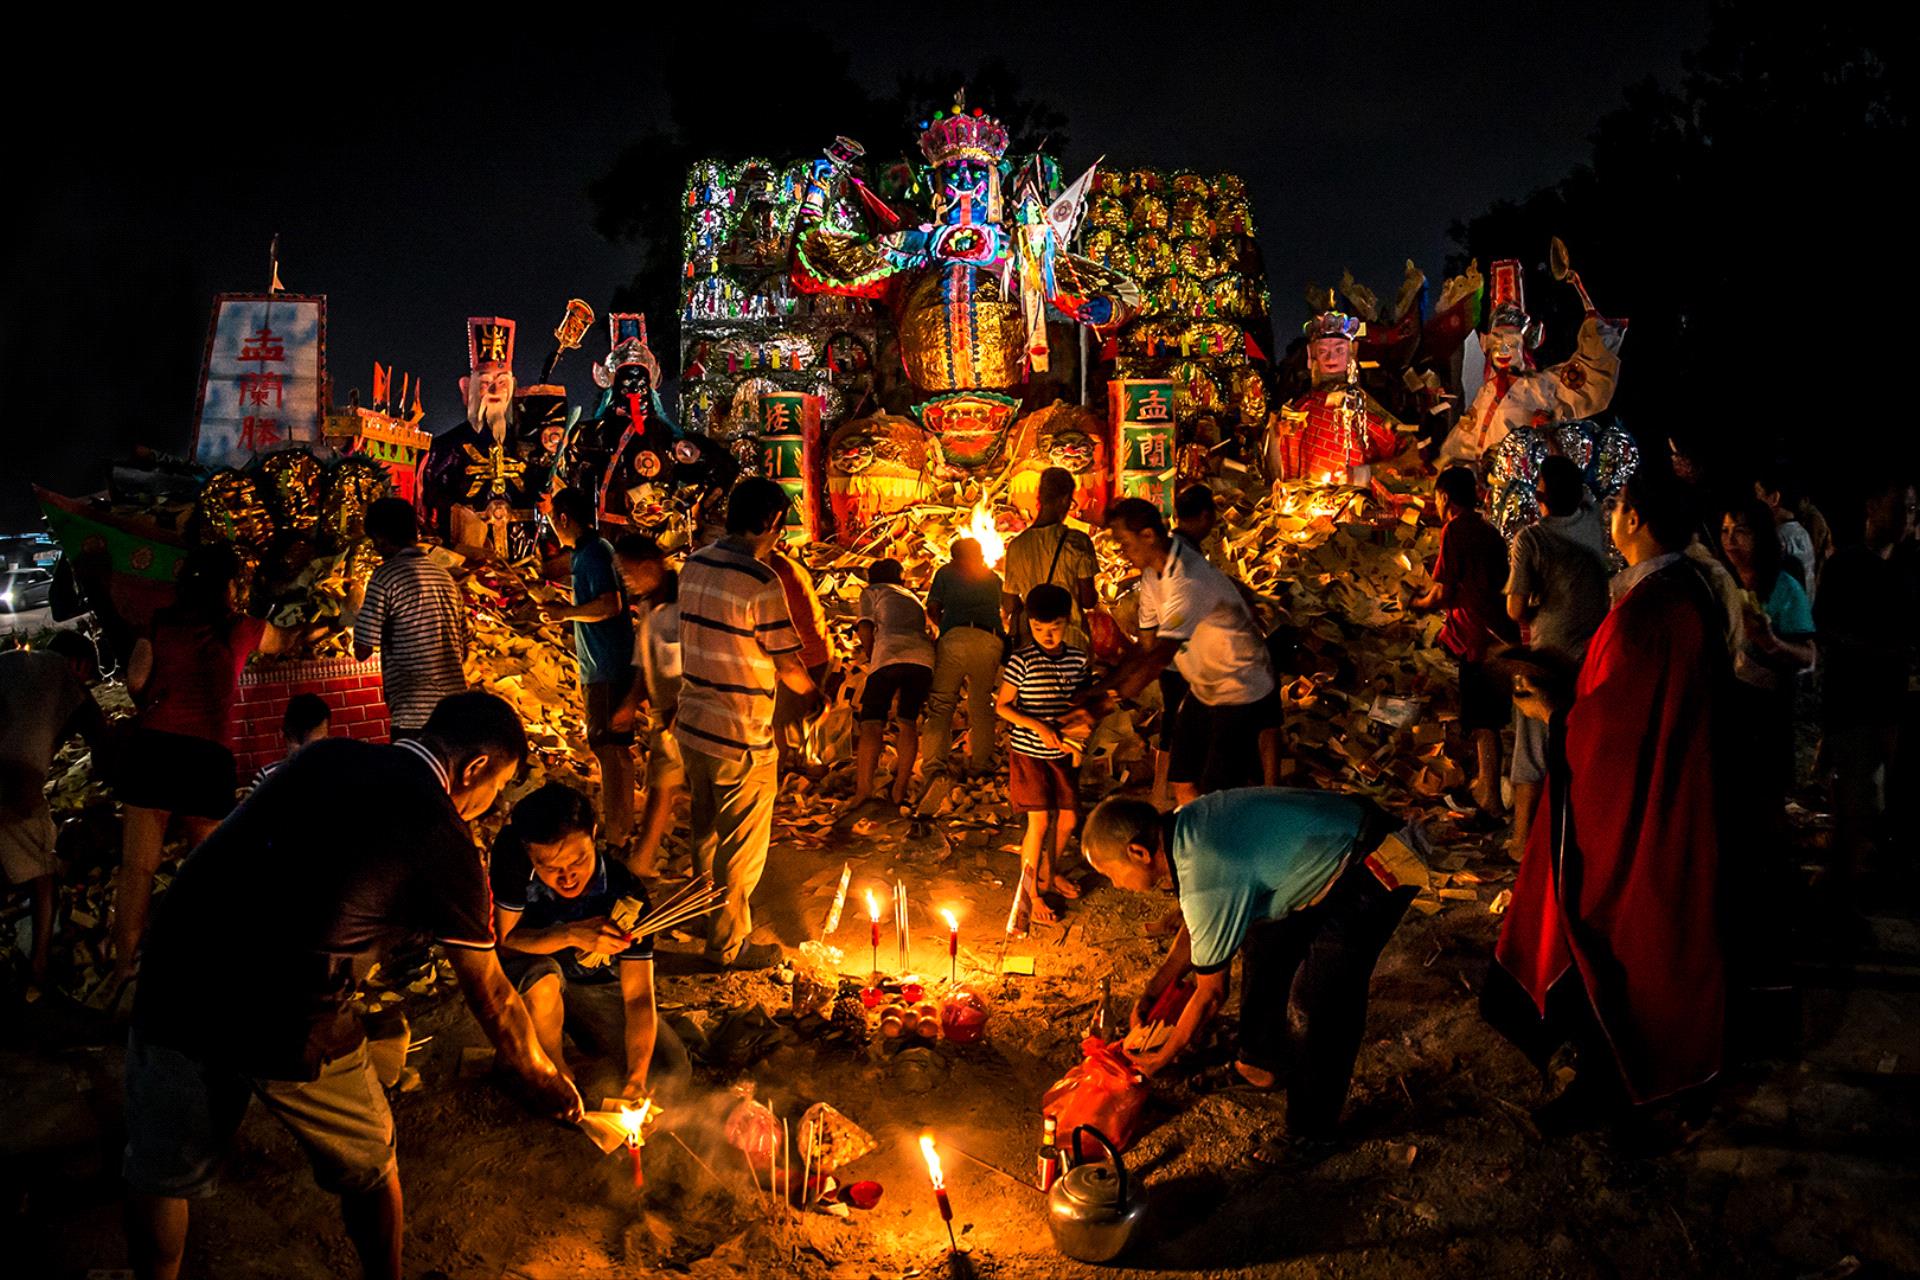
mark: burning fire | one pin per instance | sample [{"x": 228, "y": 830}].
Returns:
[
  {"x": 873, "y": 908},
  {"x": 953, "y": 925},
  {"x": 933, "y": 1162},
  {"x": 634, "y": 1119},
  {"x": 993, "y": 548}
]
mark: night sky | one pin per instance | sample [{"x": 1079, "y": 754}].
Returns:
[{"x": 417, "y": 178}]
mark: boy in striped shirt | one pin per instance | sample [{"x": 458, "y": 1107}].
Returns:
[{"x": 1038, "y": 687}]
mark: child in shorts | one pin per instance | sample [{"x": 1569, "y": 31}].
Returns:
[{"x": 1038, "y": 687}]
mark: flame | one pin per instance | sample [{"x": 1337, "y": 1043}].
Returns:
[
  {"x": 993, "y": 548},
  {"x": 633, "y": 1119},
  {"x": 873, "y": 908},
  {"x": 952, "y": 924},
  {"x": 933, "y": 1162}
]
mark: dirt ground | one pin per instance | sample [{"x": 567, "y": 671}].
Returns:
[{"x": 1799, "y": 1164}]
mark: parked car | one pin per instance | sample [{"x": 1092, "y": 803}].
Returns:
[{"x": 25, "y": 589}]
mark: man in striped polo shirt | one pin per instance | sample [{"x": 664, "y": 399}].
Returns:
[
  {"x": 415, "y": 616},
  {"x": 738, "y": 646}
]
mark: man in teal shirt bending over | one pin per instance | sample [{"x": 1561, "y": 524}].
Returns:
[{"x": 1306, "y": 886}]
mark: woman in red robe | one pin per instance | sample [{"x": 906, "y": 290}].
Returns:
[{"x": 1612, "y": 934}]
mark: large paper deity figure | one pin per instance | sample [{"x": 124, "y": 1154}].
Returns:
[
  {"x": 1518, "y": 397},
  {"x": 639, "y": 467},
  {"x": 1335, "y": 432},
  {"x": 971, "y": 285},
  {"x": 481, "y": 484}
]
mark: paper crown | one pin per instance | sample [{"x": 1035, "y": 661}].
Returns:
[
  {"x": 962, "y": 135},
  {"x": 627, "y": 343},
  {"x": 489, "y": 343},
  {"x": 1332, "y": 324},
  {"x": 1507, "y": 303},
  {"x": 622, "y": 325}
]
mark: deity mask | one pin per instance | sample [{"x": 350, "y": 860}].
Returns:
[
  {"x": 1506, "y": 347},
  {"x": 1329, "y": 357},
  {"x": 489, "y": 396},
  {"x": 964, "y": 192}
]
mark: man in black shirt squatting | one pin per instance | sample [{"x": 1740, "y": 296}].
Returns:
[{"x": 348, "y": 850}]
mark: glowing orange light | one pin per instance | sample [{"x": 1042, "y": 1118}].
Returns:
[
  {"x": 993, "y": 548},
  {"x": 873, "y": 908},
  {"x": 953, "y": 925},
  {"x": 933, "y": 1162}
]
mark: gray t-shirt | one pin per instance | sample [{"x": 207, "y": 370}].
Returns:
[
  {"x": 1561, "y": 565},
  {"x": 899, "y": 626},
  {"x": 38, "y": 696}
]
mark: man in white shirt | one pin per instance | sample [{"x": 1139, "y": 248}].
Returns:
[
  {"x": 1192, "y": 616},
  {"x": 898, "y": 652}
]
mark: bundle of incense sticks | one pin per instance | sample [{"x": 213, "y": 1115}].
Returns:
[
  {"x": 900, "y": 920},
  {"x": 839, "y": 901},
  {"x": 697, "y": 898}
]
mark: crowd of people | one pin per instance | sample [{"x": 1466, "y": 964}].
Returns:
[{"x": 1645, "y": 655}]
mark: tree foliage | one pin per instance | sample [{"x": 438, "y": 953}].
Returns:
[{"x": 1743, "y": 222}]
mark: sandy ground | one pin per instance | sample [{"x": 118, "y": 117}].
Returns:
[{"x": 1802, "y": 1167}]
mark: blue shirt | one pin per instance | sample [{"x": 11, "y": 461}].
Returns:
[
  {"x": 1788, "y": 608},
  {"x": 517, "y": 888},
  {"x": 605, "y": 649},
  {"x": 1240, "y": 857}
]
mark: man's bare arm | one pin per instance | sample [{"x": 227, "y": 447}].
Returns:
[{"x": 497, "y": 1008}]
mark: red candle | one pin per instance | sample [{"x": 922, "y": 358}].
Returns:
[
  {"x": 953, "y": 946},
  {"x": 873, "y": 927}
]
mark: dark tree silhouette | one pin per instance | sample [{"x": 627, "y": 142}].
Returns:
[
  {"x": 639, "y": 200},
  {"x": 1748, "y": 224}
]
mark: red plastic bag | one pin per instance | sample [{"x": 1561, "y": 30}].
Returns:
[
  {"x": 1110, "y": 643},
  {"x": 1102, "y": 1090}
]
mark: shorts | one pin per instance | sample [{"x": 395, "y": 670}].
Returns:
[
  {"x": 909, "y": 680},
  {"x": 176, "y": 773},
  {"x": 1486, "y": 700},
  {"x": 1036, "y": 785},
  {"x": 665, "y": 767},
  {"x": 26, "y": 846},
  {"x": 602, "y": 699},
  {"x": 1173, "y": 692},
  {"x": 182, "y": 1115},
  {"x": 1217, "y": 747},
  {"x": 1529, "y": 749}
]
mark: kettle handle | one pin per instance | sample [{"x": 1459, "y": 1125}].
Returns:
[{"x": 1113, "y": 1154}]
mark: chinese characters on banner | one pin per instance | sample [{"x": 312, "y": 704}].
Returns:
[
  {"x": 1142, "y": 410},
  {"x": 260, "y": 385},
  {"x": 789, "y": 436}
]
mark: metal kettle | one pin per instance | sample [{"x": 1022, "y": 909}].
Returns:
[{"x": 1090, "y": 1210}]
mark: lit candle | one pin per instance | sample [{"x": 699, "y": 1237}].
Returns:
[
  {"x": 873, "y": 927},
  {"x": 953, "y": 946},
  {"x": 939, "y": 1187},
  {"x": 632, "y": 1121}
]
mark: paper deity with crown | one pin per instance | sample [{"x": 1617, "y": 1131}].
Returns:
[
  {"x": 481, "y": 482},
  {"x": 1336, "y": 431},
  {"x": 971, "y": 283},
  {"x": 1515, "y": 396}
]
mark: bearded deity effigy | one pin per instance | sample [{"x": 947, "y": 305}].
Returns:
[
  {"x": 482, "y": 484},
  {"x": 970, "y": 285},
  {"x": 1515, "y": 396}
]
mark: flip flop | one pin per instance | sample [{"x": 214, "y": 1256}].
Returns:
[{"x": 1065, "y": 888}]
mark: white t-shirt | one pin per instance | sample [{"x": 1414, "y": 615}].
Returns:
[
  {"x": 1223, "y": 658},
  {"x": 656, "y": 652},
  {"x": 899, "y": 626}
]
